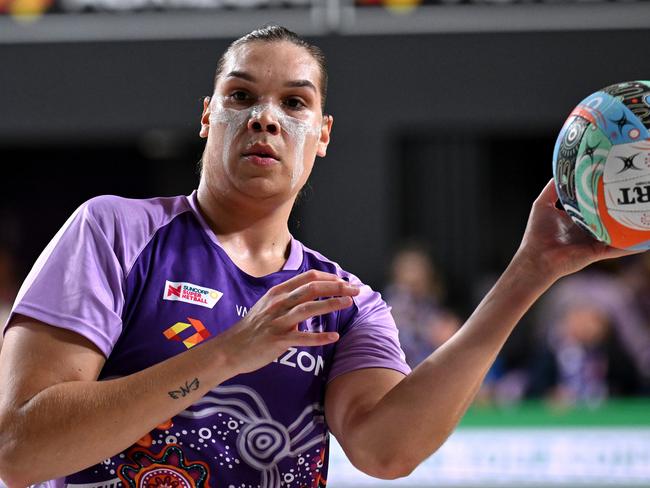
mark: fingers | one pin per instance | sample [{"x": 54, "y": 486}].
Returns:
[
  {"x": 310, "y": 309},
  {"x": 308, "y": 287},
  {"x": 548, "y": 196},
  {"x": 317, "y": 289},
  {"x": 308, "y": 339},
  {"x": 304, "y": 278},
  {"x": 307, "y": 295}
]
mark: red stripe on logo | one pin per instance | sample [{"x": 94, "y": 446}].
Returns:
[{"x": 174, "y": 291}]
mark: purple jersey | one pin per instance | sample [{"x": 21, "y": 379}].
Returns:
[{"x": 145, "y": 280}]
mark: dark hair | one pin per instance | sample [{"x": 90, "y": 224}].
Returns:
[{"x": 277, "y": 33}]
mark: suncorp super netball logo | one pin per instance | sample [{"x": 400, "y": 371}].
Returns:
[{"x": 191, "y": 293}]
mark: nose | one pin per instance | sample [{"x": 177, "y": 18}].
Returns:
[{"x": 263, "y": 119}]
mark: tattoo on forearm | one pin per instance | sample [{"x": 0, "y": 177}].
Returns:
[{"x": 185, "y": 390}]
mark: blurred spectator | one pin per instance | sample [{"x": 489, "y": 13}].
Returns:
[
  {"x": 416, "y": 294},
  {"x": 429, "y": 336},
  {"x": 636, "y": 276},
  {"x": 441, "y": 327},
  {"x": 582, "y": 356}
]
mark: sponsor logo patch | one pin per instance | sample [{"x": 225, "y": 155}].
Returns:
[
  {"x": 191, "y": 293},
  {"x": 173, "y": 333}
]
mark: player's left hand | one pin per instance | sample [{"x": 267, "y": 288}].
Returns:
[{"x": 554, "y": 246}]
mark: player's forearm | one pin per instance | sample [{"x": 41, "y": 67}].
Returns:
[
  {"x": 73, "y": 425},
  {"x": 416, "y": 417}
]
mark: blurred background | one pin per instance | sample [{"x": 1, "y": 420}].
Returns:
[{"x": 446, "y": 113}]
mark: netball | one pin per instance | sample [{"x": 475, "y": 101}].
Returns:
[{"x": 601, "y": 165}]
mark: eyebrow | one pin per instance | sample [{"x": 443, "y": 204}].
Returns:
[
  {"x": 301, "y": 84},
  {"x": 293, "y": 83},
  {"x": 241, "y": 74}
]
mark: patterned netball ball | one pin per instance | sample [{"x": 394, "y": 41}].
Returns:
[{"x": 601, "y": 165}]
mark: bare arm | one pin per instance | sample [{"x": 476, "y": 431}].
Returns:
[
  {"x": 51, "y": 399},
  {"x": 56, "y": 419},
  {"x": 388, "y": 425}
]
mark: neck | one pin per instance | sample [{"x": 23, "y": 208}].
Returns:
[{"x": 254, "y": 234}]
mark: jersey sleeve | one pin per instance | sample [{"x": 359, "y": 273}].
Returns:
[
  {"x": 369, "y": 337},
  {"x": 78, "y": 282}
]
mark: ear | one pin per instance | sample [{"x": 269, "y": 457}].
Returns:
[
  {"x": 325, "y": 131},
  {"x": 205, "y": 118}
]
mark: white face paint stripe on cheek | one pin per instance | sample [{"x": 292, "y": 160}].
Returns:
[
  {"x": 235, "y": 120},
  {"x": 300, "y": 129}
]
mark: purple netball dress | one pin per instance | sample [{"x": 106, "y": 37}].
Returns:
[{"x": 145, "y": 280}]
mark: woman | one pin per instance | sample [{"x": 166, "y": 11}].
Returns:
[{"x": 192, "y": 340}]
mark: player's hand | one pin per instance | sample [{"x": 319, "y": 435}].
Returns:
[
  {"x": 271, "y": 325},
  {"x": 554, "y": 246}
]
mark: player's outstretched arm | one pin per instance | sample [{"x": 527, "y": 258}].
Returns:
[
  {"x": 388, "y": 424},
  {"x": 56, "y": 418}
]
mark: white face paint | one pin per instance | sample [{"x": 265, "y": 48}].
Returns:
[{"x": 237, "y": 120}]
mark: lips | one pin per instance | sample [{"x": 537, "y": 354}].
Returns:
[{"x": 262, "y": 151}]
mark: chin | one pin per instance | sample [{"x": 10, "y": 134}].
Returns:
[{"x": 263, "y": 189}]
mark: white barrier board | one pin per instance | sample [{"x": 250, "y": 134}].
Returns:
[{"x": 522, "y": 457}]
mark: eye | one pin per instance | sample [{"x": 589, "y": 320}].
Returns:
[
  {"x": 239, "y": 96},
  {"x": 294, "y": 103}
]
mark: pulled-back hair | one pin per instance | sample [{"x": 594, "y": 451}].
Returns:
[{"x": 277, "y": 33}]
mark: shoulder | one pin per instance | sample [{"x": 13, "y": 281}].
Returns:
[
  {"x": 109, "y": 209},
  {"x": 124, "y": 225}
]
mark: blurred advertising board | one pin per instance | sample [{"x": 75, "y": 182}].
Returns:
[{"x": 532, "y": 446}]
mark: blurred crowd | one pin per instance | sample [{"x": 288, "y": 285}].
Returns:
[{"x": 587, "y": 340}]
